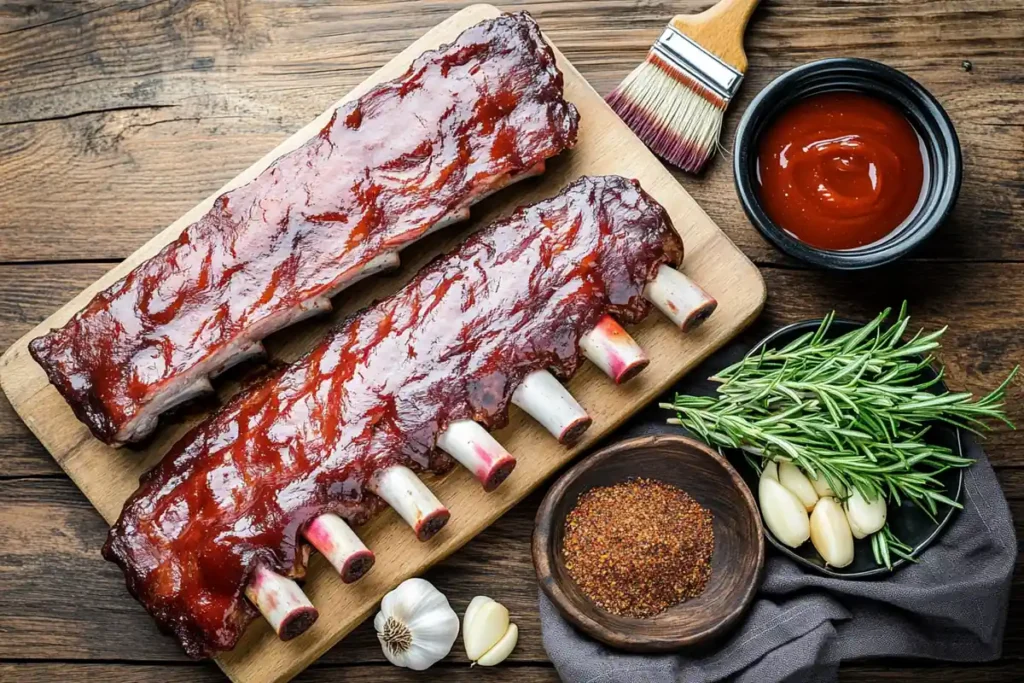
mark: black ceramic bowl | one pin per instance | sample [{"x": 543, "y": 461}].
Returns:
[
  {"x": 943, "y": 167},
  {"x": 910, "y": 524}
]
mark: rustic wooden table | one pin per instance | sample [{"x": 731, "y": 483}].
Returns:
[{"x": 116, "y": 117}]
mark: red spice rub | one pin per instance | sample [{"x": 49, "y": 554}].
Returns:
[{"x": 638, "y": 547}]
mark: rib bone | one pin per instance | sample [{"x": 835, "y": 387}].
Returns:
[
  {"x": 250, "y": 346},
  {"x": 544, "y": 399},
  {"x": 400, "y": 488},
  {"x": 181, "y": 393},
  {"x": 348, "y": 410},
  {"x": 609, "y": 347},
  {"x": 477, "y": 451},
  {"x": 281, "y": 602},
  {"x": 679, "y": 298},
  {"x": 389, "y": 260},
  {"x": 253, "y": 350},
  {"x": 336, "y": 541}
]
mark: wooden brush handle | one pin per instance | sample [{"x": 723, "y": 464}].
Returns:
[{"x": 719, "y": 30}]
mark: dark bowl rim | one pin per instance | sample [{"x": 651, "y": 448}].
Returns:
[
  {"x": 543, "y": 538},
  {"x": 881, "y": 252},
  {"x": 807, "y": 325}
]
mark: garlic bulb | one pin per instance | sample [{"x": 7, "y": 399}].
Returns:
[
  {"x": 865, "y": 517},
  {"x": 486, "y": 632},
  {"x": 830, "y": 533},
  {"x": 793, "y": 479},
  {"x": 416, "y": 626},
  {"x": 784, "y": 514}
]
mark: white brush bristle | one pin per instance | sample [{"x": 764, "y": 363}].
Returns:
[{"x": 677, "y": 117}]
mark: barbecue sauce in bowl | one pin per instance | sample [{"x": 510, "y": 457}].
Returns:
[{"x": 840, "y": 170}]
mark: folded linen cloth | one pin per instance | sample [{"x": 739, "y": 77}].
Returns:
[{"x": 951, "y": 605}]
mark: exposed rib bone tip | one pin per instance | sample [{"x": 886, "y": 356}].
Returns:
[
  {"x": 609, "y": 347},
  {"x": 336, "y": 541},
  {"x": 281, "y": 602},
  {"x": 679, "y": 298},
  {"x": 479, "y": 452},
  {"x": 400, "y": 488},
  {"x": 356, "y": 566},
  {"x": 543, "y": 398}
]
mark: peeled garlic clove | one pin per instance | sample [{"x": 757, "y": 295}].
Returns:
[
  {"x": 821, "y": 487},
  {"x": 854, "y": 529},
  {"x": 830, "y": 533},
  {"x": 783, "y": 513},
  {"x": 867, "y": 516},
  {"x": 771, "y": 470},
  {"x": 416, "y": 626},
  {"x": 488, "y": 624},
  {"x": 793, "y": 479},
  {"x": 474, "y": 605},
  {"x": 502, "y": 649}
]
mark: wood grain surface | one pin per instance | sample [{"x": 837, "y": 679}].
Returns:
[
  {"x": 115, "y": 118},
  {"x": 605, "y": 145}
]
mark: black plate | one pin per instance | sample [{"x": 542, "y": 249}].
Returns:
[{"x": 910, "y": 524}]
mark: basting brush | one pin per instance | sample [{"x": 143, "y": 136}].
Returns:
[{"x": 675, "y": 100}]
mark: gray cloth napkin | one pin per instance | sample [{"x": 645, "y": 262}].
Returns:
[{"x": 950, "y": 606}]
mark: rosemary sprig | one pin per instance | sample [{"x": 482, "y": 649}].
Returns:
[{"x": 855, "y": 409}]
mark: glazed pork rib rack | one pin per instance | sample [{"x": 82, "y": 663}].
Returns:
[
  {"x": 219, "y": 529},
  {"x": 407, "y": 158}
]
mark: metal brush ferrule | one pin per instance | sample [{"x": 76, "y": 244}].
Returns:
[{"x": 704, "y": 67}]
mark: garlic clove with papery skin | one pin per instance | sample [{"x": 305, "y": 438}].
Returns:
[
  {"x": 502, "y": 649},
  {"x": 474, "y": 605},
  {"x": 487, "y": 633},
  {"x": 484, "y": 627},
  {"x": 416, "y": 626}
]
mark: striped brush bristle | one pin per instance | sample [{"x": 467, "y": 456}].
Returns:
[
  {"x": 676, "y": 99},
  {"x": 677, "y": 117}
]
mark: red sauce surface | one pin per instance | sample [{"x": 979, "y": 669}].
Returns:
[
  {"x": 453, "y": 344},
  {"x": 840, "y": 170},
  {"x": 384, "y": 170}
]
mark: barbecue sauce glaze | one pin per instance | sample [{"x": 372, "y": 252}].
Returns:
[
  {"x": 385, "y": 169},
  {"x": 453, "y": 344}
]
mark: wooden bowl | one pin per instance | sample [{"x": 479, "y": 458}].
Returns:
[{"x": 735, "y": 565}]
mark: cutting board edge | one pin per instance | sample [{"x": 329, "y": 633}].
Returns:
[
  {"x": 570, "y": 456},
  {"x": 755, "y": 296}
]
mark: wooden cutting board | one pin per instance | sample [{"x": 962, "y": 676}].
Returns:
[{"x": 606, "y": 146}]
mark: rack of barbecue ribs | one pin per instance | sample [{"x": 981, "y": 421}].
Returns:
[
  {"x": 220, "y": 528},
  {"x": 407, "y": 158}
]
